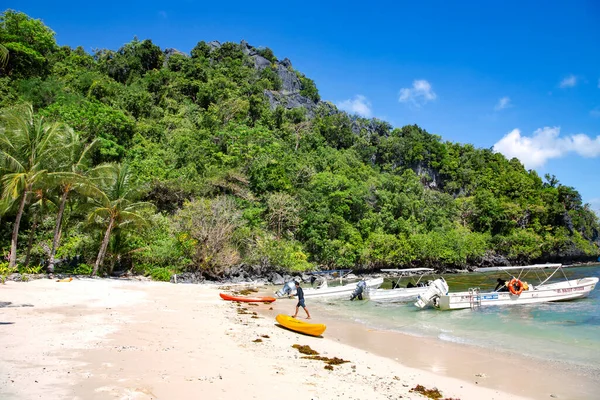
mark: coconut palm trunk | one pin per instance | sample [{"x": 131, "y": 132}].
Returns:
[
  {"x": 30, "y": 241},
  {"x": 56, "y": 239},
  {"x": 15, "y": 235},
  {"x": 103, "y": 247}
]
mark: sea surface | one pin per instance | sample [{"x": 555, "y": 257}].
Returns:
[{"x": 565, "y": 332}]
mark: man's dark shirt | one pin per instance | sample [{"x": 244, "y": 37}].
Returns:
[{"x": 300, "y": 293}]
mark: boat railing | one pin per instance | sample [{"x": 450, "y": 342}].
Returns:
[
  {"x": 333, "y": 272},
  {"x": 474, "y": 297}
]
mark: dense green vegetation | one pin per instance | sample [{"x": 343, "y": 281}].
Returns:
[{"x": 158, "y": 162}]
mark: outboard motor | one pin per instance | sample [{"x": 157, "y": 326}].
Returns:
[
  {"x": 289, "y": 289},
  {"x": 358, "y": 291},
  {"x": 437, "y": 288}
]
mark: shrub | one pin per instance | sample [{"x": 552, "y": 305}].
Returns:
[
  {"x": 30, "y": 270},
  {"x": 161, "y": 274},
  {"x": 83, "y": 269}
]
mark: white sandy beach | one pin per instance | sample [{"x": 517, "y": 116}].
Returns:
[{"x": 118, "y": 339}]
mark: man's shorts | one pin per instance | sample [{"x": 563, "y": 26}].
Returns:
[{"x": 301, "y": 304}]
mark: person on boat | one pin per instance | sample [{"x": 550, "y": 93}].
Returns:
[
  {"x": 410, "y": 285},
  {"x": 501, "y": 286},
  {"x": 300, "y": 294}
]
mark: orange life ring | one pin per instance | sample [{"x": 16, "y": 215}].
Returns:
[{"x": 515, "y": 286}]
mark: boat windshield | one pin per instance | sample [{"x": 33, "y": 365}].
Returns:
[{"x": 411, "y": 274}]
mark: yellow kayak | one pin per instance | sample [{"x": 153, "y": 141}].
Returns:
[{"x": 300, "y": 326}]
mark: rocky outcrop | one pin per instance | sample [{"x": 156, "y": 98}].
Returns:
[
  {"x": 289, "y": 101},
  {"x": 289, "y": 95},
  {"x": 187, "y": 277},
  {"x": 214, "y": 45},
  {"x": 170, "y": 52},
  {"x": 429, "y": 176}
]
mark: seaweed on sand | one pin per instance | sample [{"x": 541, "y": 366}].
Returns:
[
  {"x": 314, "y": 355},
  {"x": 246, "y": 292},
  {"x": 429, "y": 393},
  {"x": 257, "y": 340},
  {"x": 305, "y": 350},
  {"x": 327, "y": 360},
  {"x": 265, "y": 336}
]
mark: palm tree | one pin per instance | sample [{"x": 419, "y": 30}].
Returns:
[
  {"x": 71, "y": 177},
  {"x": 3, "y": 56},
  {"x": 42, "y": 201},
  {"x": 28, "y": 147},
  {"x": 116, "y": 208}
]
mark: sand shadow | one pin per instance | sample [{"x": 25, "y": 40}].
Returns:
[
  {"x": 300, "y": 333},
  {"x": 6, "y": 323}
]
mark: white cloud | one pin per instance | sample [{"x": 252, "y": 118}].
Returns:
[
  {"x": 503, "y": 103},
  {"x": 569, "y": 81},
  {"x": 358, "y": 105},
  {"x": 545, "y": 144},
  {"x": 420, "y": 93}
]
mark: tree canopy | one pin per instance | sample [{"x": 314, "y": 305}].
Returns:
[{"x": 244, "y": 164}]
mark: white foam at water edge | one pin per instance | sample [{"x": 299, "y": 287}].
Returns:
[{"x": 453, "y": 339}]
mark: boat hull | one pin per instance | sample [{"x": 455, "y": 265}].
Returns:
[
  {"x": 562, "y": 291},
  {"x": 339, "y": 291},
  {"x": 395, "y": 295},
  {"x": 300, "y": 326},
  {"x": 244, "y": 299}
]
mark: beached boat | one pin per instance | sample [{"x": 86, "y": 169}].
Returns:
[
  {"x": 246, "y": 299},
  {"x": 300, "y": 326},
  {"x": 324, "y": 291},
  {"x": 515, "y": 291},
  {"x": 401, "y": 291}
]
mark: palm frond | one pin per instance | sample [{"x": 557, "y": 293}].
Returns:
[{"x": 3, "y": 56}]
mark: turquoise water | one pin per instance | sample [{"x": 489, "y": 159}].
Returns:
[{"x": 568, "y": 332}]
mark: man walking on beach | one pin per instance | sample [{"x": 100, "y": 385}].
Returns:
[{"x": 300, "y": 294}]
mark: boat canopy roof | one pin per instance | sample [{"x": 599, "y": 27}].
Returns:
[
  {"x": 534, "y": 266},
  {"x": 408, "y": 270}
]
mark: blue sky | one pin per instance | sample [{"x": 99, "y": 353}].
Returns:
[{"x": 523, "y": 76}]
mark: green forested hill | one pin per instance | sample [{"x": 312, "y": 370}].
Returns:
[{"x": 229, "y": 156}]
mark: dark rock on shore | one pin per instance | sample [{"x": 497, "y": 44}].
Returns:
[{"x": 187, "y": 277}]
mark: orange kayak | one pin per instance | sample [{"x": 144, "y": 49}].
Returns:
[
  {"x": 300, "y": 326},
  {"x": 245, "y": 299}
]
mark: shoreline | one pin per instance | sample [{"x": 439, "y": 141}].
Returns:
[
  {"x": 99, "y": 339},
  {"x": 496, "y": 370}
]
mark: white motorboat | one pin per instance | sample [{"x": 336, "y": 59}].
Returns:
[
  {"x": 323, "y": 290},
  {"x": 401, "y": 291},
  {"x": 516, "y": 290}
]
